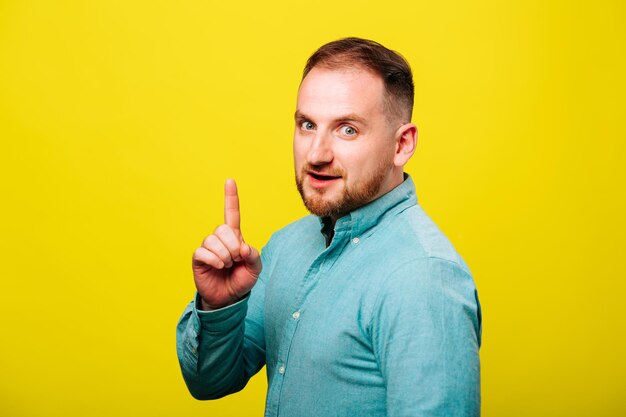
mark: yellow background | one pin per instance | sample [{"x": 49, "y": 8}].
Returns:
[{"x": 120, "y": 120}]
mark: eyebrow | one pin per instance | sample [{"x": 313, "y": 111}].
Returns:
[{"x": 351, "y": 117}]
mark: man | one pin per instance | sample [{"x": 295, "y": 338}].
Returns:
[{"x": 374, "y": 315}]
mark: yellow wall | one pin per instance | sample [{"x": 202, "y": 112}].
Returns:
[{"x": 120, "y": 120}]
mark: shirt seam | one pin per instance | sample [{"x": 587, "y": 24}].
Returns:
[{"x": 388, "y": 276}]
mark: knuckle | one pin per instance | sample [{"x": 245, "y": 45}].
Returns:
[
  {"x": 208, "y": 240},
  {"x": 222, "y": 228}
]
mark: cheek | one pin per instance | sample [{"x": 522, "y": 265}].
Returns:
[
  {"x": 299, "y": 152},
  {"x": 365, "y": 162},
  {"x": 356, "y": 158}
]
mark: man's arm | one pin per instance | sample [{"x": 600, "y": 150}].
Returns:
[
  {"x": 220, "y": 338},
  {"x": 220, "y": 350},
  {"x": 426, "y": 332}
]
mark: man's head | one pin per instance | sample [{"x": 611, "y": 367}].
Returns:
[
  {"x": 353, "y": 134},
  {"x": 368, "y": 55}
]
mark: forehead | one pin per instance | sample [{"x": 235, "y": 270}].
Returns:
[{"x": 328, "y": 93}]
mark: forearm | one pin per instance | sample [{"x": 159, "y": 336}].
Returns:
[{"x": 211, "y": 350}]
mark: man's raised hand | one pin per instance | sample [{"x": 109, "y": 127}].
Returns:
[{"x": 225, "y": 268}]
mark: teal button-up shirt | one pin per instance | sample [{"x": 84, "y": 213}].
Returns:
[{"x": 384, "y": 321}]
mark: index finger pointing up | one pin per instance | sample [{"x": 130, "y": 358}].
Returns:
[{"x": 231, "y": 204}]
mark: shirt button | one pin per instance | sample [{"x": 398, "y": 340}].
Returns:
[
  {"x": 356, "y": 240},
  {"x": 296, "y": 315},
  {"x": 281, "y": 370}
]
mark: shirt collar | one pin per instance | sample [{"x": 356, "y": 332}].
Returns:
[{"x": 364, "y": 218}]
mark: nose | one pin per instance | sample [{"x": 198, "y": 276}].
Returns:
[{"x": 320, "y": 151}]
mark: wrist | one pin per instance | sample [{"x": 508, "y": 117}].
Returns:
[{"x": 205, "y": 306}]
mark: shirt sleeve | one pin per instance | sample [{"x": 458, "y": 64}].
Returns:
[
  {"x": 220, "y": 350},
  {"x": 426, "y": 332}
]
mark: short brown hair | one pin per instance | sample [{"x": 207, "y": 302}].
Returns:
[{"x": 389, "y": 65}]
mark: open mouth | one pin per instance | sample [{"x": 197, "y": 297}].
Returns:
[
  {"x": 323, "y": 177},
  {"x": 320, "y": 181}
]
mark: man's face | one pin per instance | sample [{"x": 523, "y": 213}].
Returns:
[{"x": 343, "y": 142}]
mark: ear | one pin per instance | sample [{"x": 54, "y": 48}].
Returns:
[{"x": 406, "y": 141}]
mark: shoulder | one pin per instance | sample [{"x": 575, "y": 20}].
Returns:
[
  {"x": 422, "y": 266},
  {"x": 302, "y": 230},
  {"x": 436, "y": 295},
  {"x": 418, "y": 241},
  {"x": 304, "y": 227}
]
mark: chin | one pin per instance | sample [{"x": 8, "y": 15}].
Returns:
[
  {"x": 323, "y": 207},
  {"x": 321, "y": 202}
]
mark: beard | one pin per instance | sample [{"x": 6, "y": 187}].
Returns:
[{"x": 351, "y": 197}]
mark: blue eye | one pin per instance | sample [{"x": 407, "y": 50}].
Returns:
[
  {"x": 306, "y": 125},
  {"x": 348, "y": 130}
]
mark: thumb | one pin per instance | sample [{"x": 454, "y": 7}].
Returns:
[{"x": 252, "y": 258}]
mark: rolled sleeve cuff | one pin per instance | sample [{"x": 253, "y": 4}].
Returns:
[{"x": 223, "y": 319}]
